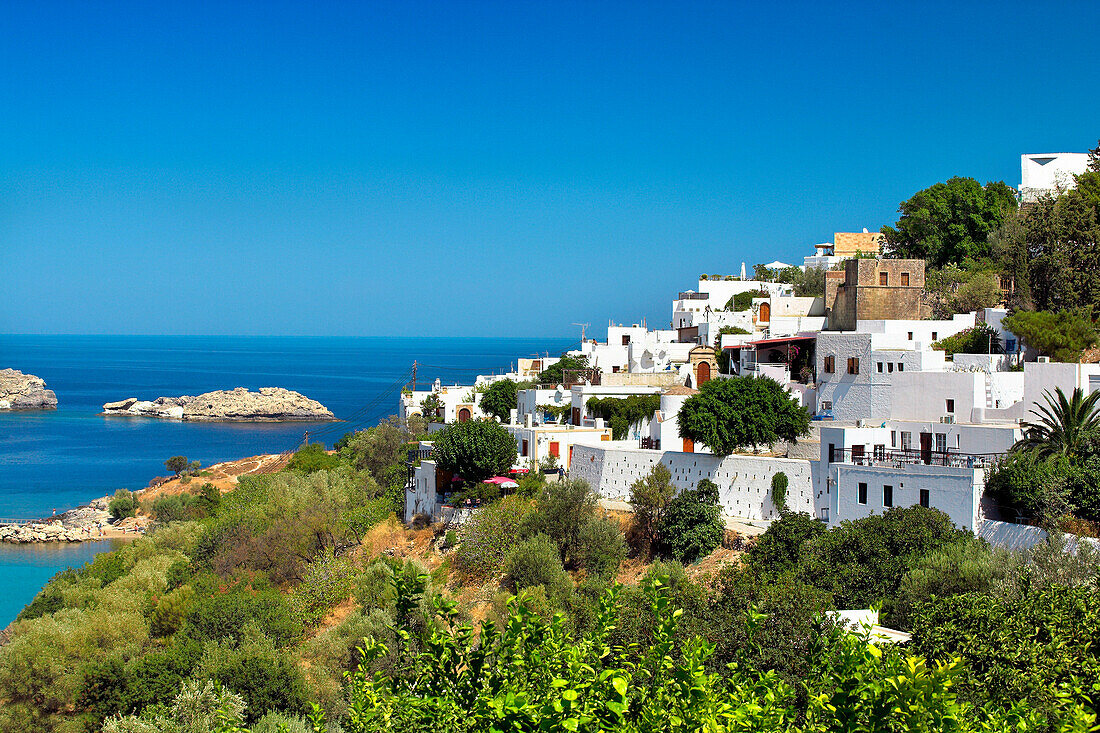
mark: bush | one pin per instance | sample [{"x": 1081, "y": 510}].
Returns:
[
  {"x": 226, "y": 614},
  {"x": 649, "y": 497},
  {"x": 780, "y": 547},
  {"x": 601, "y": 547},
  {"x": 692, "y": 525},
  {"x": 534, "y": 562},
  {"x": 1030, "y": 485},
  {"x": 265, "y": 678},
  {"x": 327, "y": 581},
  {"x": 310, "y": 458},
  {"x": 741, "y": 412},
  {"x": 170, "y": 612},
  {"x": 779, "y": 491},
  {"x": 177, "y": 464},
  {"x": 123, "y": 505},
  {"x": 489, "y": 534},
  {"x": 561, "y": 510}
]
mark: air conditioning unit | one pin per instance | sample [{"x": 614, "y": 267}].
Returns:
[
  {"x": 1043, "y": 359},
  {"x": 948, "y": 419}
]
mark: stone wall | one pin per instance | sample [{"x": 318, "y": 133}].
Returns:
[{"x": 857, "y": 293}]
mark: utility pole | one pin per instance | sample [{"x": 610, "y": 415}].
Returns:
[
  {"x": 583, "y": 327},
  {"x": 414, "y": 376}
]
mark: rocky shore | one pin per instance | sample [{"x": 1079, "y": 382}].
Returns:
[
  {"x": 19, "y": 391},
  {"x": 268, "y": 404},
  {"x": 91, "y": 522}
]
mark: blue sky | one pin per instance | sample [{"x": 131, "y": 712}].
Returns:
[{"x": 487, "y": 169}]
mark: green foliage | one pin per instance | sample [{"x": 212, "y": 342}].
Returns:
[
  {"x": 981, "y": 339},
  {"x": 265, "y": 677},
  {"x": 743, "y": 301},
  {"x": 779, "y": 491},
  {"x": 123, "y": 504},
  {"x": 862, "y": 562},
  {"x": 431, "y": 408},
  {"x": 623, "y": 413},
  {"x": 537, "y": 562},
  {"x": 601, "y": 547},
  {"x": 169, "y": 612},
  {"x": 200, "y": 707},
  {"x": 949, "y": 222},
  {"x": 780, "y": 547},
  {"x": 741, "y": 412},
  {"x": 488, "y": 536},
  {"x": 561, "y": 511},
  {"x": 953, "y": 289},
  {"x": 224, "y": 614},
  {"x": 177, "y": 464},
  {"x": 650, "y": 497},
  {"x": 327, "y": 581},
  {"x": 310, "y": 458},
  {"x": 1065, "y": 427},
  {"x": 1060, "y": 245},
  {"x": 691, "y": 526},
  {"x": 381, "y": 451},
  {"x": 500, "y": 399},
  {"x": 475, "y": 450},
  {"x": 555, "y": 373},
  {"x": 1062, "y": 336},
  {"x": 1031, "y": 485}
]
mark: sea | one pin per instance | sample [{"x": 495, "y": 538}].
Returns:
[{"x": 54, "y": 460}]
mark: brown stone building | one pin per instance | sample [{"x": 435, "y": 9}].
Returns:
[{"x": 868, "y": 290}]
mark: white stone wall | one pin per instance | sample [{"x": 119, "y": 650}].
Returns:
[
  {"x": 923, "y": 395},
  {"x": 955, "y": 491},
  {"x": 744, "y": 482}
]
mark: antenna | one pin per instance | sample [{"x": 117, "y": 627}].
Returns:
[{"x": 583, "y": 327}]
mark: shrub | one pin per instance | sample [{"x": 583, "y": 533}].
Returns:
[
  {"x": 534, "y": 562},
  {"x": 489, "y": 534},
  {"x": 265, "y": 678},
  {"x": 226, "y": 614},
  {"x": 601, "y": 547},
  {"x": 310, "y": 458},
  {"x": 780, "y": 547},
  {"x": 170, "y": 612},
  {"x": 649, "y": 497},
  {"x": 561, "y": 510},
  {"x": 327, "y": 581},
  {"x": 779, "y": 491},
  {"x": 176, "y": 464},
  {"x": 123, "y": 505},
  {"x": 692, "y": 525}
]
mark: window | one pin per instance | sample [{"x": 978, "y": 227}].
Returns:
[
  {"x": 901, "y": 366},
  {"x": 935, "y": 336},
  {"x": 941, "y": 442},
  {"x": 857, "y": 454},
  {"x": 906, "y": 440},
  {"x": 893, "y": 438},
  {"x": 524, "y": 452},
  {"x": 832, "y": 452},
  {"x": 950, "y": 406},
  {"x": 862, "y": 498},
  {"x": 884, "y": 278},
  {"x": 879, "y": 365},
  {"x": 826, "y": 405},
  {"x": 910, "y": 337},
  {"x": 853, "y": 365},
  {"x": 889, "y": 367},
  {"x": 555, "y": 449},
  {"x": 925, "y": 498},
  {"x": 880, "y": 452},
  {"x": 626, "y": 339},
  {"x": 905, "y": 279},
  {"x": 829, "y": 364},
  {"x": 888, "y": 496},
  {"x": 614, "y": 370}
]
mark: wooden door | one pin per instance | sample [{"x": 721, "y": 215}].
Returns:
[
  {"x": 926, "y": 448},
  {"x": 704, "y": 374},
  {"x": 463, "y": 414},
  {"x": 689, "y": 445}
]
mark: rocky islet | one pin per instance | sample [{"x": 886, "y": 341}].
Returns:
[
  {"x": 268, "y": 404},
  {"x": 19, "y": 391}
]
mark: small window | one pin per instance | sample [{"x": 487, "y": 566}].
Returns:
[
  {"x": 910, "y": 336},
  {"x": 880, "y": 451},
  {"x": 906, "y": 440},
  {"x": 626, "y": 339},
  {"x": 893, "y": 438},
  {"x": 832, "y": 452},
  {"x": 901, "y": 366},
  {"x": 826, "y": 405},
  {"x": 935, "y": 336},
  {"x": 941, "y": 442},
  {"x": 614, "y": 370},
  {"x": 905, "y": 279},
  {"x": 889, "y": 368},
  {"x": 829, "y": 364},
  {"x": 888, "y": 496},
  {"x": 925, "y": 498},
  {"x": 879, "y": 365},
  {"x": 853, "y": 365},
  {"x": 862, "y": 498},
  {"x": 884, "y": 278},
  {"x": 950, "y": 406}
]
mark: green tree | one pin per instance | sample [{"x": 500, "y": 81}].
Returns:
[
  {"x": 949, "y": 222},
  {"x": 649, "y": 497},
  {"x": 741, "y": 412},
  {"x": 381, "y": 451},
  {"x": 780, "y": 547},
  {"x": 122, "y": 505},
  {"x": 177, "y": 464},
  {"x": 1065, "y": 427},
  {"x": 475, "y": 450},
  {"x": 692, "y": 525},
  {"x": 555, "y": 373},
  {"x": 1062, "y": 336},
  {"x": 1062, "y": 235},
  {"x": 431, "y": 408},
  {"x": 981, "y": 339},
  {"x": 623, "y": 413},
  {"x": 310, "y": 458},
  {"x": 500, "y": 399},
  {"x": 1029, "y": 484}
]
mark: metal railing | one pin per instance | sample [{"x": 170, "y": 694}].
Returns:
[
  {"x": 418, "y": 454},
  {"x": 693, "y": 296},
  {"x": 650, "y": 443},
  {"x": 901, "y": 457}
]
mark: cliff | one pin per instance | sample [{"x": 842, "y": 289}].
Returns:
[
  {"x": 269, "y": 404},
  {"x": 19, "y": 391}
]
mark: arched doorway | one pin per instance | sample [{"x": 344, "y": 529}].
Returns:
[
  {"x": 765, "y": 313},
  {"x": 464, "y": 414},
  {"x": 703, "y": 374}
]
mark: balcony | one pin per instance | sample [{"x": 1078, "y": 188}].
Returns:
[
  {"x": 896, "y": 458},
  {"x": 689, "y": 295}
]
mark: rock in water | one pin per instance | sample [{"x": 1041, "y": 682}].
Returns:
[
  {"x": 19, "y": 391},
  {"x": 269, "y": 404}
]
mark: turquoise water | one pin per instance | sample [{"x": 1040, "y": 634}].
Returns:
[{"x": 58, "y": 459}]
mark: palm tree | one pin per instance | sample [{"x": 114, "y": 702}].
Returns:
[{"x": 1065, "y": 426}]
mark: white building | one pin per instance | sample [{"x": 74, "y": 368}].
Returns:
[
  {"x": 1049, "y": 173},
  {"x": 535, "y": 444},
  {"x": 533, "y": 401}
]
